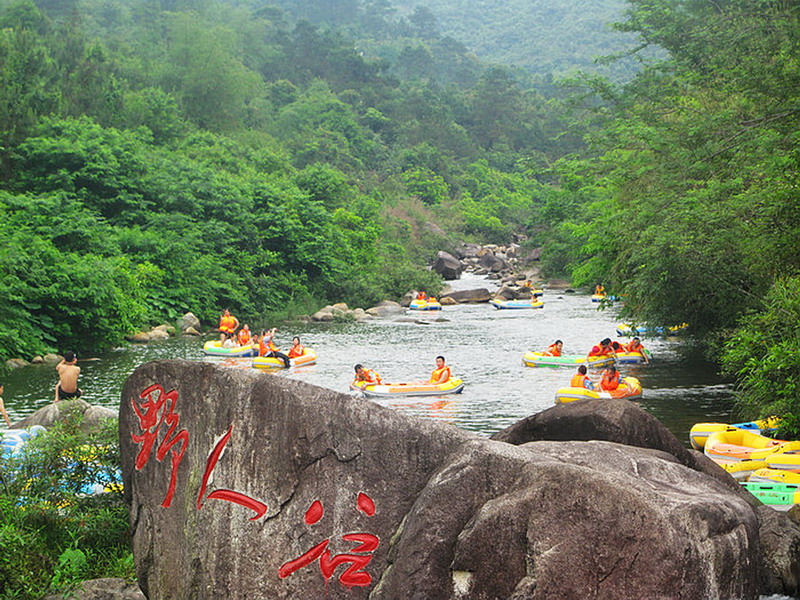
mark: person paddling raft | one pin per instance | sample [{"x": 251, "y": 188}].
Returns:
[
  {"x": 441, "y": 374},
  {"x": 367, "y": 376},
  {"x": 554, "y": 349},
  {"x": 297, "y": 348},
  {"x": 581, "y": 379},
  {"x": 266, "y": 347},
  {"x": 610, "y": 379},
  {"x": 228, "y": 324},
  {"x": 603, "y": 348},
  {"x": 244, "y": 336},
  {"x": 635, "y": 345}
]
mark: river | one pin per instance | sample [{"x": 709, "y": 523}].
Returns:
[{"x": 482, "y": 344}]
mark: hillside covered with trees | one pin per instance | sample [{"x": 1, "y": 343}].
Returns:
[{"x": 169, "y": 155}]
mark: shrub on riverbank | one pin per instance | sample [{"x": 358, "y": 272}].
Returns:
[{"x": 52, "y": 536}]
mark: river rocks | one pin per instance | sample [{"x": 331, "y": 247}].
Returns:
[
  {"x": 780, "y": 541},
  {"x": 191, "y": 331},
  {"x": 618, "y": 421},
  {"x": 387, "y": 308},
  {"x": 52, "y": 413},
  {"x": 188, "y": 321},
  {"x": 37, "y": 360},
  {"x": 491, "y": 262},
  {"x": 140, "y": 337},
  {"x": 16, "y": 363},
  {"x": 102, "y": 589},
  {"x": 447, "y": 301},
  {"x": 340, "y": 312},
  {"x": 266, "y": 495},
  {"x": 447, "y": 265},
  {"x": 469, "y": 296},
  {"x": 52, "y": 359}
]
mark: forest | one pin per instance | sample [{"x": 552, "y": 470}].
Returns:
[{"x": 173, "y": 155}]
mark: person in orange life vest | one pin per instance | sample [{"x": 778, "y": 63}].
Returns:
[
  {"x": 599, "y": 289},
  {"x": 266, "y": 347},
  {"x": 581, "y": 380},
  {"x": 421, "y": 295},
  {"x": 244, "y": 336},
  {"x": 228, "y": 324},
  {"x": 617, "y": 346},
  {"x": 603, "y": 348},
  {"x": 367, "y": 375},
  {"x": 441, "y": 374},
  {"x": 554, "y": 349},
  {"x": 297, "y": 349},
  {"x": 635, "y": 345},
  {"x": 610, "y": 379}
]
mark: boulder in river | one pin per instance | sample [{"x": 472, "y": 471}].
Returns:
[
  {"x": 447, "y": 265},
  {"x": 16, "y": 363},
  {"x": 261, "y": 494},
  {"x": 188, "y": 321},
  {"x": 469, "y": 296},
  {"x": 59, "y": 411}
]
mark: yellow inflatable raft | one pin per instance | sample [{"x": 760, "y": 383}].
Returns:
[
  {"x": 453, "y": 386},
  {"x": 425, "y": 305},
  {"x": 786, "y": 461},
  {"x": 215, "y": 348},
  {"x": 309, "y": 357},
  {"x": 629, "y": 387},
  {"x": 540, "y": 359},
  {"x": 735, "y": 445},
  {"x": 776, "y": 476},
  {"x": 699, "y": 432},
  {"x": 743, "y": 470}
]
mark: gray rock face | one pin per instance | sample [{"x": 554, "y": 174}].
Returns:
[
  {"x": 780, "y": 541},
  {"x": 271, "y": 488},
  {"x": 52, "y": 413},
  {"x": 188, "y": 321},
  {"x": 103, "y": 589},
  {"x": 492, "y": 262},
  {"x": 447, "y": 265},
  {"x": 16, "y": 363},
  {"x": 470, "y": 296}
]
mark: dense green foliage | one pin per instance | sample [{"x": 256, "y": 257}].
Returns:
[
  {"x": 158, "y": 158},
  {"x": 687, "y": 201},
  {"x": 545, "y": 37},
  {"x": 764, "y": 354},
  {"x": 52, "y": 536}
]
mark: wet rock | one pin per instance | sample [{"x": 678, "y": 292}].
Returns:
[
  {"x": 447, "y": 265},
  {"x": 52, "y": 359},
  {"x": 466, "y": 250},
  {"x": 386, "y": 308},
  {"x": 16, "y": 363},
  {"x": 188, "y": 321},
  {"x": 324, "y": 314},
  {"x": 158, "y": 334},
  {"x": 361, "y": 315},
  {"x": 491, "y": 262},
  {"x": 191, "y": 331},
  {"x": 780, "y": 542},
  {"x": 37, "y": 360},
  {"x": 469, "y": 296},
  {"x": 102, "y": 589},
  {"x": 140, "y": 337},
  {"x": 444, "y": 514},
  {"x": 447, "y": 301},
  {"x": 53, "y": 413}
]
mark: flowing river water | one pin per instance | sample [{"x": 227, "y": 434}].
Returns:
[{"x": 483, "y": 345}]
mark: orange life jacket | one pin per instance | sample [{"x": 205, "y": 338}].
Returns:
[
  {"x": 296, "y": 351},
  {"x": 369, "y": 376},
  {"x": 227, "y": 324},
  {"x": 266, "y": 348},
  {"x": 244, "y": 336},
  {"x": 629, "y": 348},
  {"x": 437, "y": 373},
  {"x": 609, "y": 381},
  {"x": 552, "y": 351},
  {"x": 421, "y": 295},
  {"x": 578, "y": 380}
]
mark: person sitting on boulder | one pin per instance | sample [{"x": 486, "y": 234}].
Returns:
[
  {"x": 297, "y": 348},
  {"x": 266, "y": 347},
  {"x": 610, "y": 379},
  {"x": 635, "y": 345},
  {"x": 603, "y": 348},
  {"x": 368, "y": 376},
  {"x": 228, "y": 324},
  {"x": 441, "y": 374},
  {"x": 244, "y": 335},
  {"x": 581, "y": 380},
  {"x": 554, "y": 349},
  {"x": 68, "y": 371},
  {"x": 3, "y": 409}
]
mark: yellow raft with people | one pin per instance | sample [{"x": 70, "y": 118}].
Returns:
[
  {"x": 629, "y": 387},
  {"x": 309, "y": 357},
  {"x": 215, "y": 348},
  {"x": 454, "y": 385},
  {"x": 427, "y": 304},
  {"x": 541, "y": 359}
]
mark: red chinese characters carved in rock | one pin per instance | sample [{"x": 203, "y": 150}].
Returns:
[
  {"x": 223, "y": 494},
  {"x": 358, "y": 558},
  {"x": 157, "y": 408}
]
